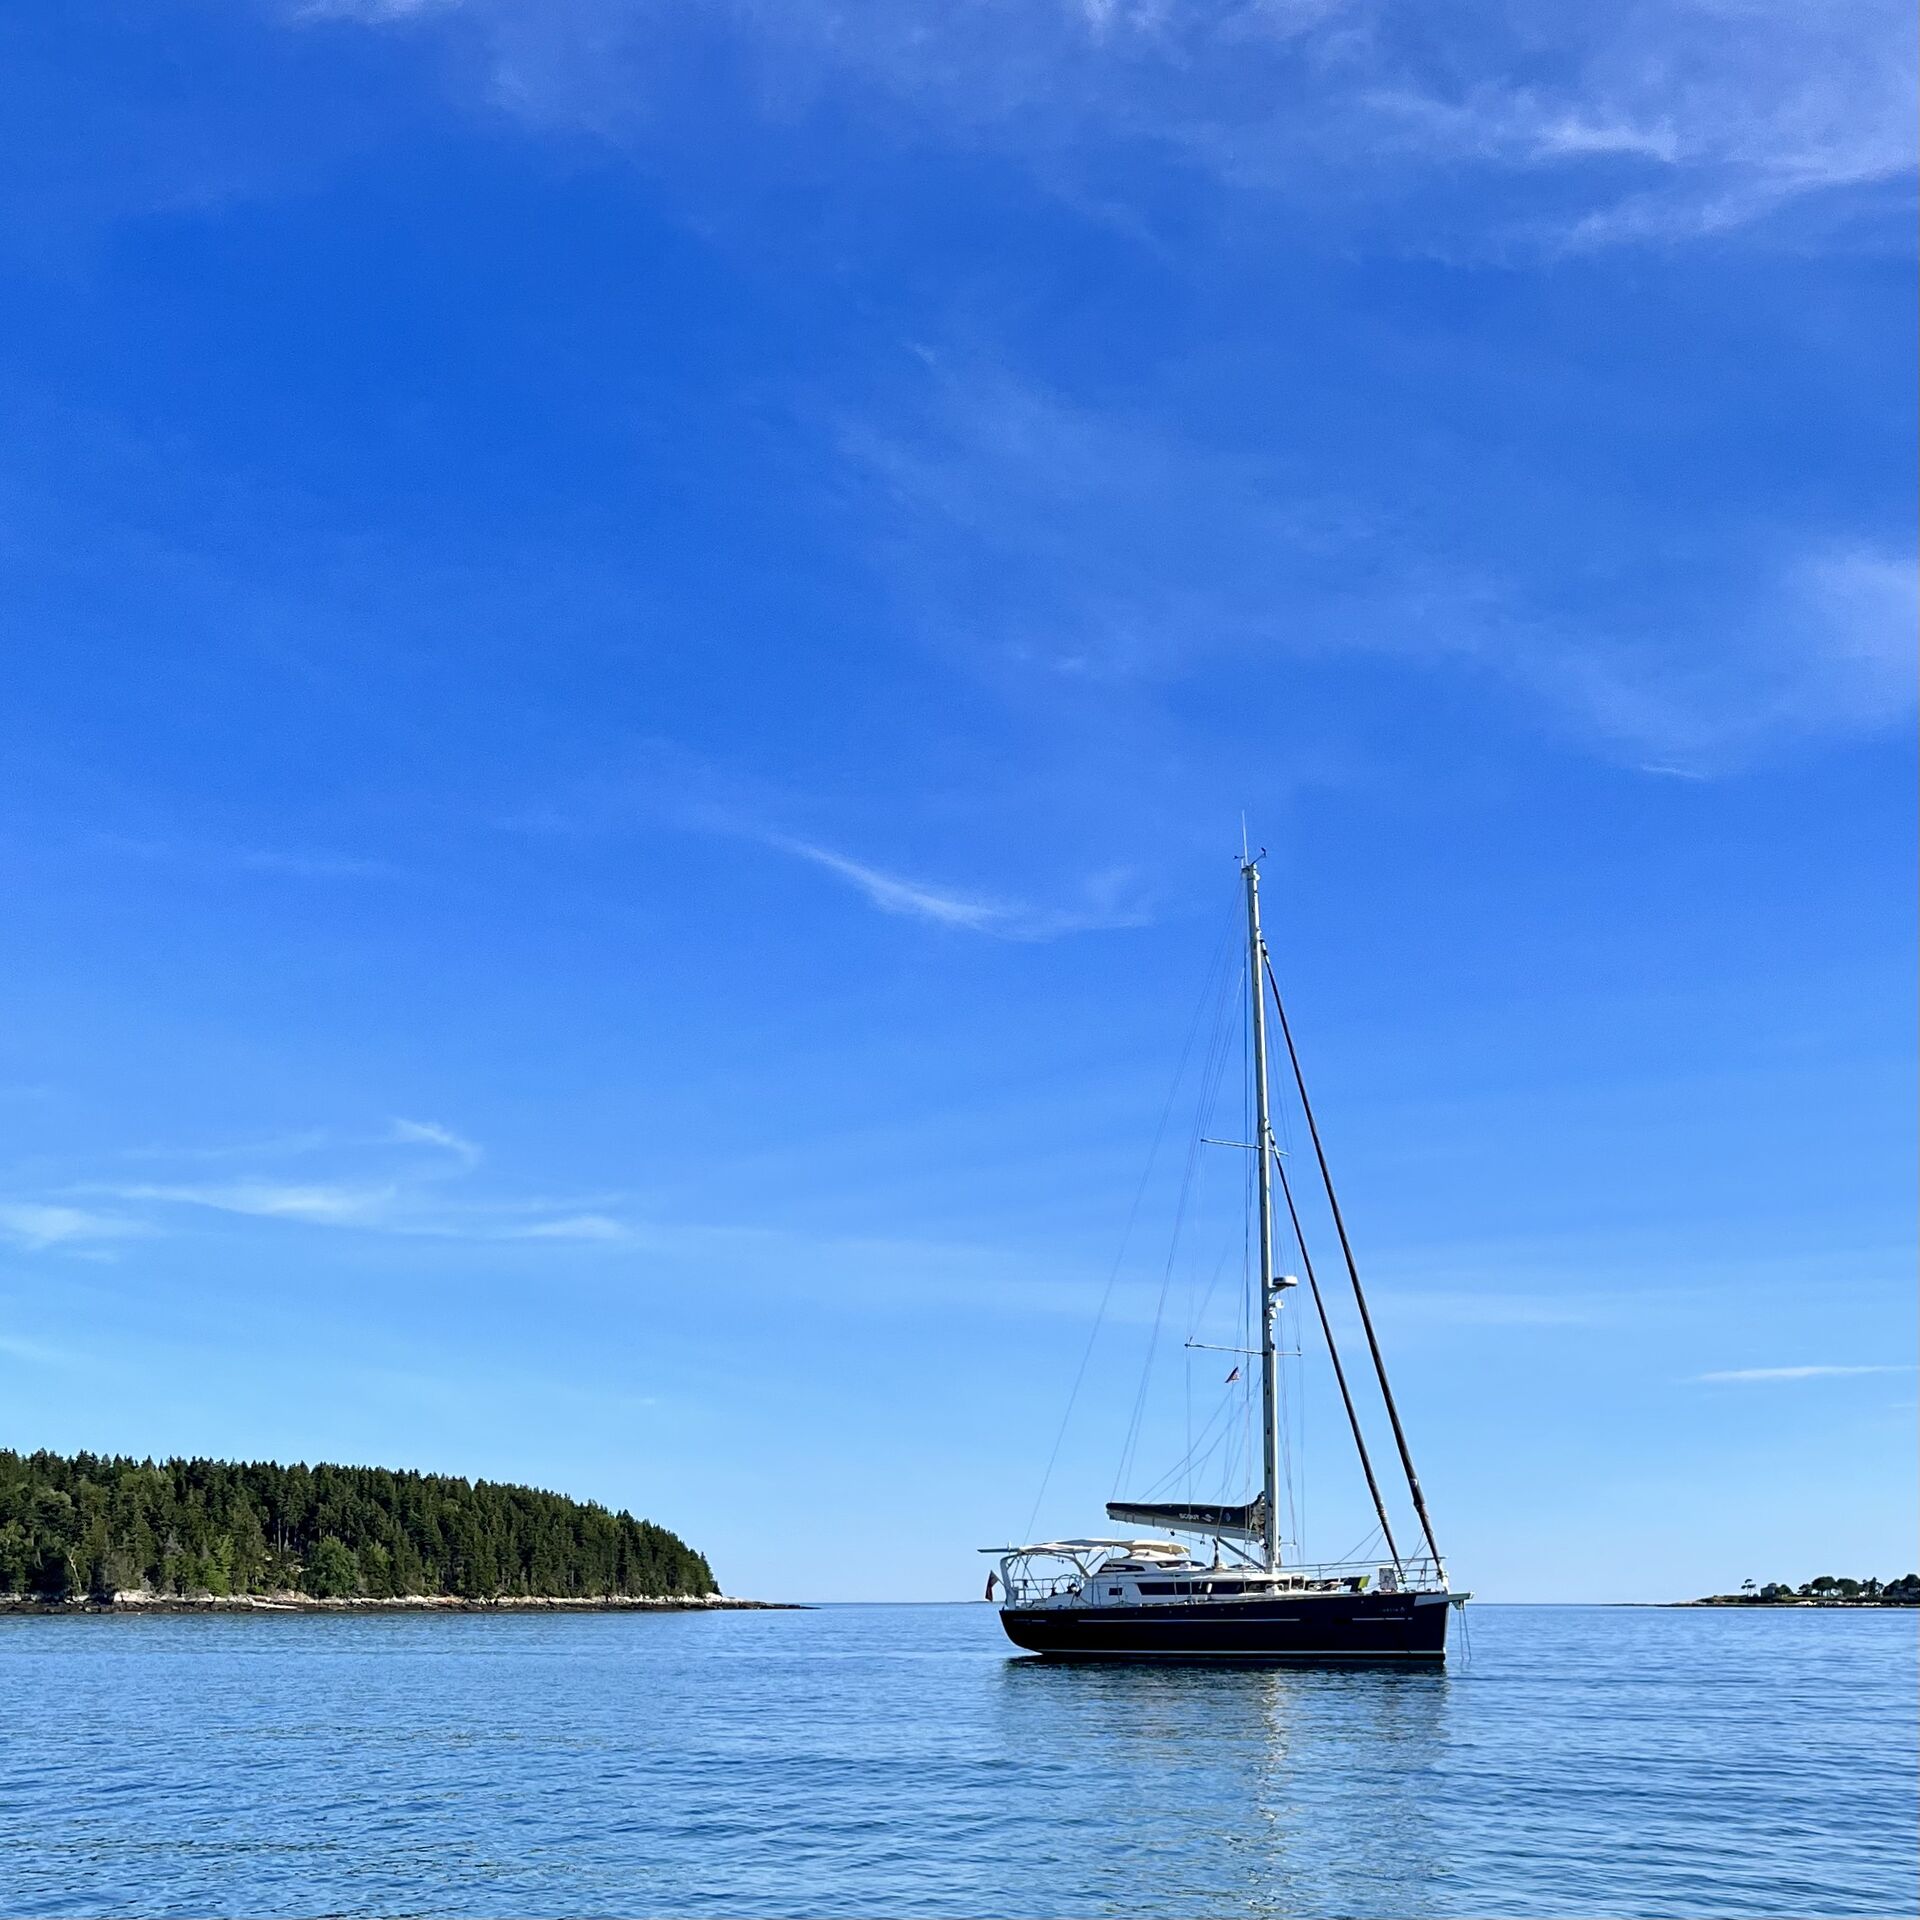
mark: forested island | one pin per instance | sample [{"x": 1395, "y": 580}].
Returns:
[
  {"x": 1828, "y": 1590},
  {"x": 95, "y": 1530}
]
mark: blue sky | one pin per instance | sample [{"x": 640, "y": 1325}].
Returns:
[{"x": 637, "y": 639}]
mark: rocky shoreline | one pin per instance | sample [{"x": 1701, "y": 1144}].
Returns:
[
  {"x": 1858, "y": 1605},
  {"x": 159, "y": 1603}
]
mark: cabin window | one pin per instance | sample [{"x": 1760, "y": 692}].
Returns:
[
  {"x": 1158, "y": 1586},
  {"x": 1113, "y": 1593},
  {"x": 1226, "y": 1586}
]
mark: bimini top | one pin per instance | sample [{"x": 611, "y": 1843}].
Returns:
[{"x": 1141, "y": 1549}]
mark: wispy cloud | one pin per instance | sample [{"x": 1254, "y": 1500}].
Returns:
[
  {"x": 1046, "y": 541},
  {"x": 671, "y": 785},
  {"x": 38, "y": 1224},
  {"x": 572, "y": 1226},
  {"x": 309, "y": 1141},
  {"x": 429, "y": 1133},
  {"x": 1658, "y": 121},
  {"x": 291, "y": 862},
  {"x": 398, "y": 1208},
  {"x": 412, "y": 1178},
  {"x": 278, "y": 1146},
  {"x": 273, "y": 1200},
  {"x": 1679, "y": 122},
  {"x": 1105, "y": 904},
  {"x": 384, "y": 1179},
  {"x": 892, "y": 893},
  {"x": 1818, "y": 647},
  {"x": 36, "y": 1352},
  {"x": 1794, "y": 1373}
]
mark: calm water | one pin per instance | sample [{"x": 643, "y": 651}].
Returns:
[{"x": 868, "y": 1760}]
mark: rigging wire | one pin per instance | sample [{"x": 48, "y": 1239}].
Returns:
[
  {"x": 1210, "y": 1073},
  {"x": 1201, "y": 1453},
  {"x": 1286, "y": 1447},
  {"x": 1188, "y": 1397},
  {"x": 1194, "y": 1323},
  {"x": 1358, "y": 1551},
  {"x": 1215, "y": 965},
  {"x": 1333, "y": 1354},
  {"x": 1206, "y": 1299},
  {"x": 1283, "y": 1130},
  {"x": 1353, "y": 1271}
]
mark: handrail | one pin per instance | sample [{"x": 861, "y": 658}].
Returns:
[{"x": 1412, "y": 1576}]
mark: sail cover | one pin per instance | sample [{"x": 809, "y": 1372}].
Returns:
[{"x": 1236, "y": 1523}]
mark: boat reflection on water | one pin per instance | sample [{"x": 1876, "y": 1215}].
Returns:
[{"x": 1281, "y": 1789}]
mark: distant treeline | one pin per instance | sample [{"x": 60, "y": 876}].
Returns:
[
  {"x": 1829, "y": 1588},
  {"x": 93, "y": 1526}
]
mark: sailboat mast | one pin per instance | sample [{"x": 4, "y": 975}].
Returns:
[{"x": 1263, "y": 1144}]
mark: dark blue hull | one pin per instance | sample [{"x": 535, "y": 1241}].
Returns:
[{"x": 1360, "y": 1626}]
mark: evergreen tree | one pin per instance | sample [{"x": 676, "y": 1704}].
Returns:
[
  {"x": 99, "y": 1526},
  {"x": 331, "y": 1571}
]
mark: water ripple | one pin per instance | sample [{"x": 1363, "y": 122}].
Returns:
[{"x": 1589, "y": 1761}]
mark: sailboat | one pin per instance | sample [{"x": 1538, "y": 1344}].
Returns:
[{"x": 1231, "y": 1595}]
